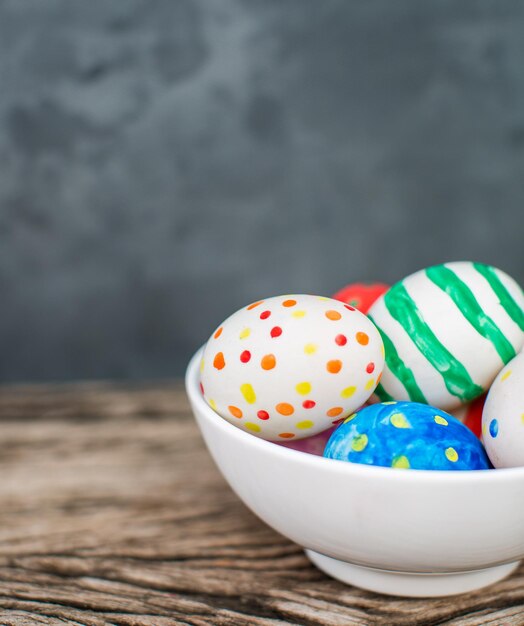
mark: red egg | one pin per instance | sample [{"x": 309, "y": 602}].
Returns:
[
  {"x": 361, "y": 295},
  {"x": 471, "y": 415}
]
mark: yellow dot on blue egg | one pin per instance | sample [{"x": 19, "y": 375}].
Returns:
[
  {"x": 399, "y": 421},
  {"x": 401, "y": 462},
  {"x": 441, "y": 420},
  {"x": 359, "y": 443},
  {"x": 350, "y": 417},
  {"x": 451, "y": 455},
  {"x": 494, "y": 428}
]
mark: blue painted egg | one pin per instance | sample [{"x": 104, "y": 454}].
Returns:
[{"x": 406, "y": 435}]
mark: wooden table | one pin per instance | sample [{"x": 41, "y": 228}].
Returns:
[{"x": 112, "y": 512}]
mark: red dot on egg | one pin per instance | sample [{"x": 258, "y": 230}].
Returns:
[
  {"x": 202, "y": 388},
  {"x": 370, "y": 368},
  {"x": 245, "y": 356},
  {"x": 339, "y": 421},
  {"x": 263, "y": 415},
  {"x": 264, "y": 315},
  {"x": 309, "y": 404},
  {"x": 349, "y": 307},
  {"x": 276, "y": 331},
  {"x": 341, "y": 340}
]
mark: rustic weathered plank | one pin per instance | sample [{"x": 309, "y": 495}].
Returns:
[{"x": 112, "y": 512}]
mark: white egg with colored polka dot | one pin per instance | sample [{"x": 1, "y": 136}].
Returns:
[
  {"x": 503, "y": 416},
  {"x": 289, "y": 367}
]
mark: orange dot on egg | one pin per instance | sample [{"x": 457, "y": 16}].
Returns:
[
  {"x": 218, "y": 333},
  {"x": 286, "y": 435},
  {"x": 284, "y": 408},
  {"x": 334, "y": 366},
  {"x": 333, "y": 315},
  {"x": 252, "y": 306},
  {"x": 219, "y": 361},
  {"x": 235, "y": 411},
  {"x": 268, "y": 362},
  {"x": 362, "y": 338},
  {"x": 334, "y": 411},
  {"x": 288, "y": 303}
]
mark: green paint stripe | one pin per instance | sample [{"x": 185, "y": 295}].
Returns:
[
  {"x": 505, "y": 298},
  {"x": 467, "y": 304},
  {"x": 399, "y": 369},
  {"x": 383, "y": 394},
  {"x": 456, "y": 378}
]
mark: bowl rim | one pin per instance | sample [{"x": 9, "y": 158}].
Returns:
[{"x": 354, "y": 470}]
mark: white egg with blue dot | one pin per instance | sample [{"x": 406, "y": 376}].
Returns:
[
  {"x": 503, "y": 416},
  {"x": 406, "y": 435}
]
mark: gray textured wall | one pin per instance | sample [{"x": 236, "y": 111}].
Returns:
[{"x": 164, "y": 162}]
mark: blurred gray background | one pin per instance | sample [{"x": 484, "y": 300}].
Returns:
[{"x": 163, "y": 162}]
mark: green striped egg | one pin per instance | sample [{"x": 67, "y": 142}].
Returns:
[{"x": 448, "y": 330}]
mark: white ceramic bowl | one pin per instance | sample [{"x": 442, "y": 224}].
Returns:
[{"x": 401, "y": 532}]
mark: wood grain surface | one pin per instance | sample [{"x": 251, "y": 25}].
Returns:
[{"x": 112, "y": 512}]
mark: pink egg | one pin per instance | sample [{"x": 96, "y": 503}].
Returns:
[{"x": 311, "y": 445}]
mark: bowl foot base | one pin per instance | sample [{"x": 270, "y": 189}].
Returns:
[{"x": 410, "y": 585}]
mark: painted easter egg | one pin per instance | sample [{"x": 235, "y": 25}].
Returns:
[
  {"x": 448, "y": 330},
  {"x": 291, "y": 366},
  {"x": 503, "y": 416},
  {"x": 406, "y": 435},
  {"x": 361, "y": 295}
]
